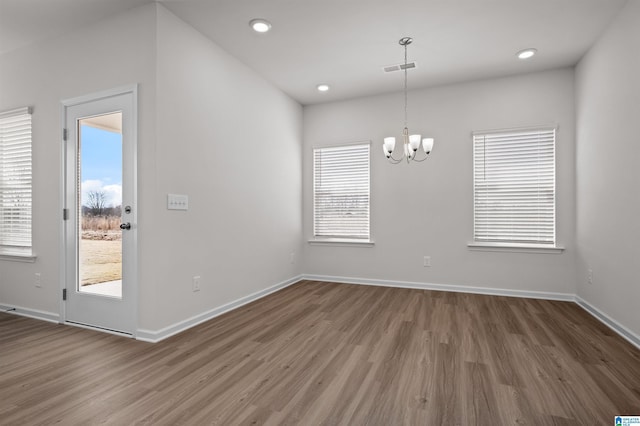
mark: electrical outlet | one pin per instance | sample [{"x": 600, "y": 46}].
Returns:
[
  {"x": 38, "y": 280},
  {"x": 590, "y": 276},
  {"x": 196, "y": 283},
  {"x": 292, "y": 257},
  {"x": 427, "y": 262}
]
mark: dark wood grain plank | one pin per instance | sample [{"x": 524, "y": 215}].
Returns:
[{"x": 331, "y": 354}]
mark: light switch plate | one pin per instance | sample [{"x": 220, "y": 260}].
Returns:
[{"x": 177, "y": 202}]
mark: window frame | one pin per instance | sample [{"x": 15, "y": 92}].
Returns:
[
  {"x": 344, "y": 239},
  {"x": 507, "y": 244},
  {"x": 13, "y": 249}
]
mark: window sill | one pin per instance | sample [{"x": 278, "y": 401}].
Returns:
[
  {"x": 345, "y": 242},
  {"x": 17, "y": 255},
  {"x": 516, "y": 248}
]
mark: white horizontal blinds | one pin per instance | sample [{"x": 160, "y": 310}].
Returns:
[
  {"x": 514, "y": 186},
  {"x": 341, "y": 192},
  {"x": 15, "y": 178}
]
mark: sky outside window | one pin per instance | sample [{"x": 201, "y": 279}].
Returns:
[{"x": 101, "y": 164}]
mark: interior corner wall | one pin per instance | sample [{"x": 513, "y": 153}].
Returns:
[
  {"x": 427, "y": 208},
  {"x": 608, "y": 176},
  {"x": 231, "y": 142},
  {"x": 112, "y": 53}
]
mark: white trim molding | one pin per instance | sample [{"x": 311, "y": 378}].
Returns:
[
  {"x": 158, "y": 335},
  {"x": 18, "y": 257},
  {"x": 515, "y": 248},
  {"x": 30, "y": 313},
  {"x": 155, "y": 336},
  {"x": 614, "y": 325},
  {"x": 343, "y": 242},
  {"x": 444, "y": 287}
]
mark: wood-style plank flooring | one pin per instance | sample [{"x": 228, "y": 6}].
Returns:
[{"x": 324, "y": 353}]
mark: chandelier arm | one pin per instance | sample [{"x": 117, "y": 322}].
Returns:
[
  {"x": 394, "y": 160},
  {"x": 420, "y": 161}
]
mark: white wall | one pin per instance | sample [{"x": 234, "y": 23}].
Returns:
[
  {"x": 112, "y": 53},
  {"x": 197, "y": 107},
  {"x": 608, "y": 172},
  {"x": 427, "y": 208},
  {"x": 232, "y": 142}
]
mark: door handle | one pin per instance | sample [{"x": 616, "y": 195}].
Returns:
[{"x": 125, "y": 226}]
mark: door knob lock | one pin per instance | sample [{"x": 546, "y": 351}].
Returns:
[{"x": 125, "y": 225}]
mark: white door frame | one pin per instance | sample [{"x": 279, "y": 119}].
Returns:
[{"x": 64, "y": 243}]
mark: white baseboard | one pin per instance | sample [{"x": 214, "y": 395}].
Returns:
[
  {"x": 31, "y": 313},
  {"x": 158, "y": 335},
  {"x": 623, "y": 331},
  {"x": 444, "y": 287}
]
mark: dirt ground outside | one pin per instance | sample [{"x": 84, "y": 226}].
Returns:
[{"x": 100, "y": 257}]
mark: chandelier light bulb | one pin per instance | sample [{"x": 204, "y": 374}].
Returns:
[
  {"x": 427, "y": 145},
  {"x": 414, "y": 142},
  {"x": 388, "y": 146}
]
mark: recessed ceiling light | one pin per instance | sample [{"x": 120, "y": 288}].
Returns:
[
  {"x": 322, "y": 87},
  {"x": 526, "y": 53},
  {"x": 260, "y": 25}
]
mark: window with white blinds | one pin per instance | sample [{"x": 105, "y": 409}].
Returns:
[
  {"x": 514, "y": 187},
  {"x": 15, "y": 179},
  {"x": 341, "y": 192}
]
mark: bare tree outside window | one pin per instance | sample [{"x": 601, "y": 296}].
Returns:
[{"x": 96, "y": 201}]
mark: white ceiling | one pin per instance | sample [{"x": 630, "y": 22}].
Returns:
[
  {"x": 23, "y": 22},
  {"x": 345, "y": 43}
]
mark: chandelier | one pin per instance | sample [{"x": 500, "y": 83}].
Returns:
[{"x": 411, "y": 143}]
